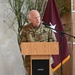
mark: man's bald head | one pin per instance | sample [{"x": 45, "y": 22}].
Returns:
[
  {"x": 34, "y": 17},
  {"x": 32, "y": 12}
]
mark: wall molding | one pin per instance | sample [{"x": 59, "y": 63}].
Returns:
[
  {"x": 73, "y": 42},
  {"x": 73, "y": 10}
]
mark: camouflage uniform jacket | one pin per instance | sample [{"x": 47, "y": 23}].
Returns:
[{"x": 39, "y": 34}]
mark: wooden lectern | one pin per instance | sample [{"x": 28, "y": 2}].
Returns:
[{"x": 40, "y": 55}]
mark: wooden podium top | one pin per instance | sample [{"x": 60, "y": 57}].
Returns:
[{"x": 39, "y": 48}]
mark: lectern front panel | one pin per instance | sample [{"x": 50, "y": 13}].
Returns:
[{"x": 40, "y": 67}]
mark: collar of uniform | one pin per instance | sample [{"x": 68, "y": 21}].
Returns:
[{"x": 35, "y": 28}]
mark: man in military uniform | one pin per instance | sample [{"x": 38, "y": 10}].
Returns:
[{"x": 35, "y": 32}]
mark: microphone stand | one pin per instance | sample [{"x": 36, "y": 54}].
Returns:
[
  {"x": 61, "y": 46},
  {"x": 61, "y": 32}
]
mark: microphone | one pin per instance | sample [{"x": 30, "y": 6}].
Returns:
[
  {"x": 46, "y": 24},
  {"x": 51, "y": 26}
]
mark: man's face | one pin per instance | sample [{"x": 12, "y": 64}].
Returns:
[{"x": 34, "y": 18}]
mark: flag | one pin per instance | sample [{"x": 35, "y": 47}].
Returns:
[{"x": 51, "y": 15}]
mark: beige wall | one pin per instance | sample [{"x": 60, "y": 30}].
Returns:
[
  {"x": 73, "y": 26},
  {"x": 73, "y": 21}
]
